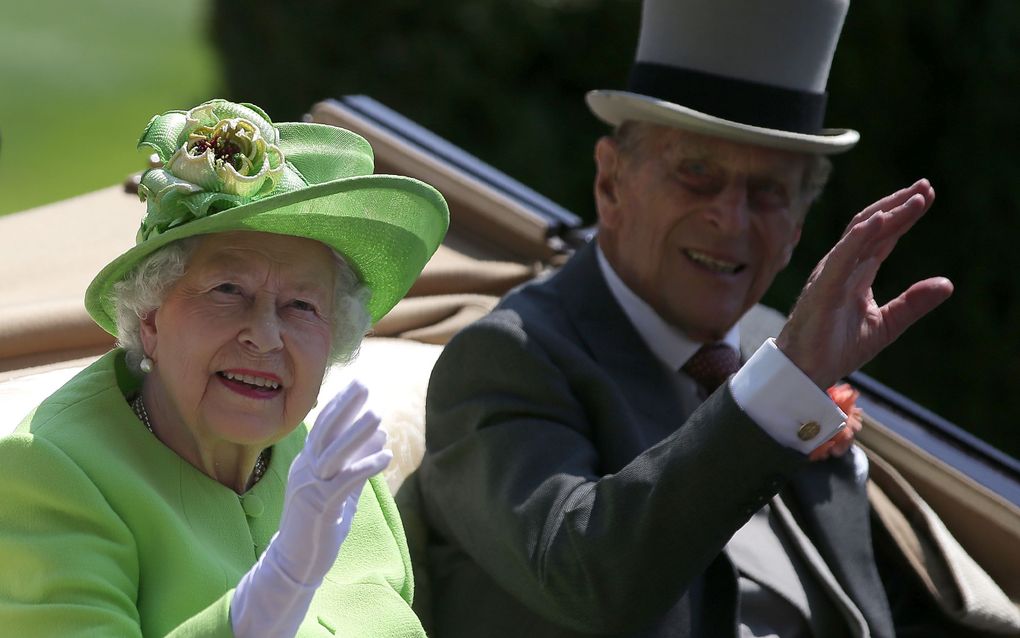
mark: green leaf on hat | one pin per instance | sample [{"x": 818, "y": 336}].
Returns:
[{"x": 162, "y": 132}]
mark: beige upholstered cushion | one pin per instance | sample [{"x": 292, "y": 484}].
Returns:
[
  {"x": 396, "y": 372},
  {"x": 954, "y": 580}
]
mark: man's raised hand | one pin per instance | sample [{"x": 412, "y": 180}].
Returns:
[{"x": 836, "y": 326}]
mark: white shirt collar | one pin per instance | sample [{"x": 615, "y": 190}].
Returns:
[{"x": 667, "y": 342}]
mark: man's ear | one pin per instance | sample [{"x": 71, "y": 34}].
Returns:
[
  {"x": 147, "y": 331},
  {"x": 607, "y": 164}
]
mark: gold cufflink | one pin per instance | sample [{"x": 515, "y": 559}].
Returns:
[{"x": 809, "y": 431}]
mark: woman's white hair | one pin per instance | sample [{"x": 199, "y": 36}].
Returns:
[{"x": 143, "y": 289}]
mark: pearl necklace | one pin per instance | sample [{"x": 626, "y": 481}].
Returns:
[{"x": 261, "y": 463}]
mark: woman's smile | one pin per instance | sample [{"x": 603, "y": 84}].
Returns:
[{"x": 252, "y": 384}]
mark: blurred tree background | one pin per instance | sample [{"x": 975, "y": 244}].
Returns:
[
  {"x": 78, "y": 82},
  {"x": 932, "y": 87}
]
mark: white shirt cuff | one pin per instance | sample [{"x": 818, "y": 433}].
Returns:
[{"x": 784, "y": 402}]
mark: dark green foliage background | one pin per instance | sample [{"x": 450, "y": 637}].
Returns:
[{"x": 932, "y": 87}]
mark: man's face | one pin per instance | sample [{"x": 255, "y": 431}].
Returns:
[{"x": 698, "y": 226}]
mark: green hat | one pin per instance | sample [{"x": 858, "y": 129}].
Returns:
[{"x": 227, "y": 167}]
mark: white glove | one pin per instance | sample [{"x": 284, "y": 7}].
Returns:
[{"x": 343, "y": 449}]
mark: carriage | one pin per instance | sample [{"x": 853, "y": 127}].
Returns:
[{"x": 949, "y": 501}]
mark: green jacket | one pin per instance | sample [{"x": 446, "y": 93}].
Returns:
[{"x": 104, "y": 531}]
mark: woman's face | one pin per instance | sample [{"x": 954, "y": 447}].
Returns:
[{"x": 242, "y": 340}]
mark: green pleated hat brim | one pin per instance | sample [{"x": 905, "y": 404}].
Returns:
[{"x": 386, "y": 226}]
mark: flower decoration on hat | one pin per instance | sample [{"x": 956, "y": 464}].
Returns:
[{"x": 216, "y": 156}]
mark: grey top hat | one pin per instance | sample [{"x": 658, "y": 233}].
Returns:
[{"x": 751, "y": 71}]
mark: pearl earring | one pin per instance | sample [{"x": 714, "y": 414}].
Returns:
[{"x": 146, "y": 365}]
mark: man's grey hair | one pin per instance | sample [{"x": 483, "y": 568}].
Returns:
[
  {"x": 630, "y": 139},
  {"x": 146, "y": 286}
]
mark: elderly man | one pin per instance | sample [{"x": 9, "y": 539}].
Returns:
[{"x": 593, "y": 468}]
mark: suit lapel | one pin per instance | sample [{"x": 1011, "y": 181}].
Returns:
[
  {"x": 652, "y": 393},
  {"x": 612, "y": 341},
  {"x": 832, "y": 509},
  {"x": 824, "y": 501},
  {"x": 838, "y": 537},
  {"x": 823, "y": 575}
]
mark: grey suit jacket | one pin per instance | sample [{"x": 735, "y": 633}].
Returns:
[{"x": 567, "y": 492}]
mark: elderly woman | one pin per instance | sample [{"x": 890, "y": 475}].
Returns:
[{"x": 169, "y": 488}]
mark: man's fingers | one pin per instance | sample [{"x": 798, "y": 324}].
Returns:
[
  {"x": 844, "y": 257},
  {"x": 914, "y": 303},
  {"x": 889, "y": 227},
  {"x": 898, "y": 222},
  {"x": 920, "y": 187},
  {"x": 863, "y": 252},
  {"x": 874, "y": 232},
  {"x": 892, "y": 224},
  {"x": 858, "y": 284}
]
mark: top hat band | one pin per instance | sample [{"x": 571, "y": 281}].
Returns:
[{"x": 742, "y": 101}]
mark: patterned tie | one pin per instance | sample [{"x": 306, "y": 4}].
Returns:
[{"x": 712, "y": 364}]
